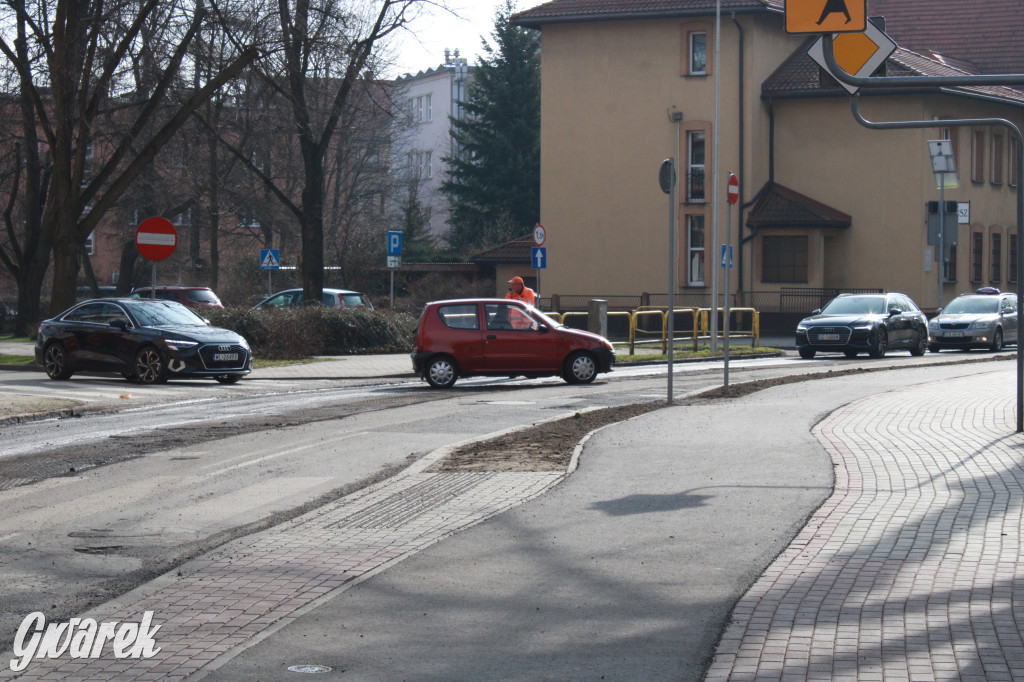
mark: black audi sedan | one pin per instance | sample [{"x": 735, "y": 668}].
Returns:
[
  {"x": 864, "y": 323},
  {"x": 146, "y": 341}
]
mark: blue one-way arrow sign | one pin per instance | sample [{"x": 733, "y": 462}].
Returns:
[{"x": 539, "y": 257}]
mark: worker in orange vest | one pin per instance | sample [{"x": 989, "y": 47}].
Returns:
[{"x": 518, "y": 291}]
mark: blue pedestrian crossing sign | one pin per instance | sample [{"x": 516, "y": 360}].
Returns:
[
  {"x": 394, "y": 243},
  {"x": 726, "y": 255},
  {"x": 539, "y": 257},
  {"x": 270, "y": 259}
]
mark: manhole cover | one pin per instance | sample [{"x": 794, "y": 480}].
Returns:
[{"x": 309, "y": 669}]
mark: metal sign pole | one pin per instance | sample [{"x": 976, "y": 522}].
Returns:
[
  {"x": 727, "y": 263},
  {"x": 152, "y": 282},
  {"x": 942, "y": 236}
]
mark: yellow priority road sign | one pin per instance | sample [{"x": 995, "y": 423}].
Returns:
[
  {"x": 826, "y": 16},
  {"x": 859, "y": 54}
]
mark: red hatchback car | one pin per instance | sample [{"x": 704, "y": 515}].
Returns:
[{"x": 499, "y": 337}]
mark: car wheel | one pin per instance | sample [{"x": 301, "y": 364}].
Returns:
[
  {"x": 807, "y": 353},
  {"x": 920, "y": 346},
  {"x": 881, "y": 344},
  {"x": 933, "y": 348},
  {"x": 579, "y": 368},
  {"x": 150, "y": 367},
  {"x": 850, "y": 353},
  {"x": 229, "y": 378},
  {"x": 55, "y": 362},
  {"x": 442, "y": 372},
  {"x": 997, "y": 341}
]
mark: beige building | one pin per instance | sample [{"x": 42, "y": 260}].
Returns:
[{"x": 825, "y": 203}]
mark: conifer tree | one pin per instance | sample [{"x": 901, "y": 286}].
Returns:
[{"x": 494, "y": 175}]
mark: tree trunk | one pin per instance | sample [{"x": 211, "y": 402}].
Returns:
[{"x": 313, "y": 229}]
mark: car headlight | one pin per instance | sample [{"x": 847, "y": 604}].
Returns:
[
  {"x": 981, "y": 324},
  {"x": 801, "y": 328},
  {"x": 933, "y": 325},
  {"x": 863, "y": 327},
  {"x": 180, "y": 344}
]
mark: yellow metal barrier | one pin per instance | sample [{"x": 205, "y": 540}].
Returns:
[
  {"x": 662, "y": 314},
  {"x": 698, "y": 318},
  {"x": 754, "y": 333}
]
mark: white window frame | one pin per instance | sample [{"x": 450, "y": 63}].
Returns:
[
  {"x": 696, "y": 261},
  {"x": 691, "y": 69},
  {"x": 691, "y": 166}
]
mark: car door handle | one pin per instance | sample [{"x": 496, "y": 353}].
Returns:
[{"x": 492, "y": 336}]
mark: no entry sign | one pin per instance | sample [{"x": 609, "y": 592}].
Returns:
[{"x": 156, "y": 238}]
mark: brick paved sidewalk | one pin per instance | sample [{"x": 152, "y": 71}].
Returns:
[
  {"x": 240, "y": 593},
  {"x": 911, "y": 570}
]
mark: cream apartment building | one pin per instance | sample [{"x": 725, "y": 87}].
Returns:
[
  {"x": 432, "y": 96},
  {"x": 824, "y": 202}
]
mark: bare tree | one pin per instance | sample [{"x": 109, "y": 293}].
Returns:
[
  {"x": 90, "y": 67},
  {"x": 325, "y": 49}
]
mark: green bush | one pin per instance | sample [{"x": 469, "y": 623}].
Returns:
[{"x": 299, "y": 332}]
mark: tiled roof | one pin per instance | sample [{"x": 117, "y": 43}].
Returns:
[
  {"x": 988, "y": 34},
  {"x": 800, "y": 74},
  {"x": 779, "y": 206},
  {"x": 558, "y": 11},
  {"x": 515, "y": 251}
]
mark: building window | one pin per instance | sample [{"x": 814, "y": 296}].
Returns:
[
  {"x": 784, "y": 260},
  {"x": 976, "y": 256},
  {"x": 950, "y": 263},
  {"x": 978, "y": 156},
  {"x": 695, "y": 250},
  {"x": 997, "y": 256},
  {"x": 695, "y": 167},
  {"x": 997, "y": 159},
  {"x": 429, "y": 104},
  {"x": 425, "y": 165},
  {"x": 1012, "y": 161},
  {"x": 1012, "y": 257},
  {"x": 698, "y": 52}
]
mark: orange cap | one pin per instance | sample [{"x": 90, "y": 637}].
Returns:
[{"x": 516, "y": 280}]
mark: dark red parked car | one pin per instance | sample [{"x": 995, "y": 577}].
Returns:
[{"x": 499, "y": 337}]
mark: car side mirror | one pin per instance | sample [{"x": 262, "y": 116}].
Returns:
[
  {"x": 816, "y": 311},
  {"x": 543, "y": 328},
  {"x": 894, "y": 311},
  {"x": 119, "y": 322}
]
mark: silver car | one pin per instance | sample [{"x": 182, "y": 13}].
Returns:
[{"x": 987, "y": 319}]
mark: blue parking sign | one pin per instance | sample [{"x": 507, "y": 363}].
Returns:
[{"x": 394, "y": 243}]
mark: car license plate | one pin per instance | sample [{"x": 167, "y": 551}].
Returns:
[
  {"x": 954, "y": 334},
  {"x": 221, "y": 357},
  {"x": 829, "y": 337}
]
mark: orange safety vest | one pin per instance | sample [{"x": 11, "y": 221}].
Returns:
[{"x": 525, "y": 295}]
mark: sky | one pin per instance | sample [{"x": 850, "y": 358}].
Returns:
[{"x": 423, "y": 46}]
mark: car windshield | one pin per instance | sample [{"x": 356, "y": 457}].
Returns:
[
  {"x": 551, "y": 322},
  {"x": 203, "y": 296},
  {"x": 972, "y": 305},
  {"x": 353, "y": 300},
  {"x": 162, "y": 314},
  {"x": 855, "y": 305}
]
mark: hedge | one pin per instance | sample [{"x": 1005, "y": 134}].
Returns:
[{"x": 294, "y": 333}]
